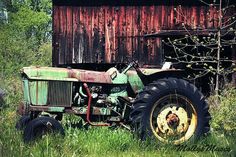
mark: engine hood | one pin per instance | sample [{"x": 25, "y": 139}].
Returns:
[{"x": 65, "y": 74}]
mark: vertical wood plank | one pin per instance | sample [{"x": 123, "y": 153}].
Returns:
[
  {"x": 112, "y": 33},
  {"x": 107, "y": 25},
  {"x": 95, "y": 35},
  {"x": 76, "y": 35},
  {"x": 83, "y": 36},
  {"x": 62, "y": 36},
  {"x": 69, "y": 35},
  {"x": 172, "y": 17},
  {"x": 128, "y": 34},
  {"x": 88, "y": 34},
  {"x": 116, "y": 12},
  {"x": 56, "y": 32},
  {"x": 135, "y": 34},
  {"x": 152, "y": 51},
  {"x": 202, "y": 18},
  {"x": 162, "y": 17},
  {"x": 194, "y": 17},
  {"x": 101, "y": 29},
  {"x": 122, "y": 34},
  {"x": 139, "y": 33}
]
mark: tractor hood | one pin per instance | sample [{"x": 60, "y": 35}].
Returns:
[
  {"x": 65, "y": 74},
  {"x": 112, "y": 76}
]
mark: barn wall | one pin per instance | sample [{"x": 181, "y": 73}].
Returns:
[{"x": 111, "y": 34}]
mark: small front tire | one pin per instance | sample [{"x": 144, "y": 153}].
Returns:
[
  {"x": 22, "y": 122},
  {"x": 41, "y": 126}
]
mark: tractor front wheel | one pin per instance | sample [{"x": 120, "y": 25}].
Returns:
[
  {"x": 171, "y": 110},
  {"x": 41, "y": 126},
  {"x": 22, "y": 122}
]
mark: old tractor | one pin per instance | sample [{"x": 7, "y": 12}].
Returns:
[{"x": 153, "y": 103}]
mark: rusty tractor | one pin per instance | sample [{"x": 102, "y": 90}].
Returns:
[{"x": 153, "y": 103}]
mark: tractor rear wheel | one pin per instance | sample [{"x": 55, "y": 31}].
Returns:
[
  {"x": 41, "y": 126},
  {"x": 171, "y": 110}
]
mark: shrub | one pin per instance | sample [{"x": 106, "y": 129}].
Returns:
[{"x": 223, "y": 109}]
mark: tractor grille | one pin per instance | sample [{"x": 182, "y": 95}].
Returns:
[
  {"x": 51, "y": 93},
  {"x": 59, "y": 93}
]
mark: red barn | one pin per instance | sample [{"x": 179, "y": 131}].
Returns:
[{"x": 87, "y": 31}]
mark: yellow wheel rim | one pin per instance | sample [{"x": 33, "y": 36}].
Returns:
[{"x": 173, "y": 119}]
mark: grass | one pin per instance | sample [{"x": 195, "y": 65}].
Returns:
[{"x": 99, "y": 142}]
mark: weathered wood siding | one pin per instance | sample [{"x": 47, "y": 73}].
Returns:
[{"x": 112, "y": 34}]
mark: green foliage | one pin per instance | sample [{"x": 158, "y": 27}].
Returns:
[
  {"x": 13, "y": 89},
  {"x": 25, "y": 40},
  {"x": 223, "y": 115},
  {"x": 36, "y": 5},
  {"x": 32, "y": 23}
]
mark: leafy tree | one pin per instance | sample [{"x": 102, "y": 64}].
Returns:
[{"x": 26, "y": 39}]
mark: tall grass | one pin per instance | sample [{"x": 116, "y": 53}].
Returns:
[{"x": 96, "y": 141}]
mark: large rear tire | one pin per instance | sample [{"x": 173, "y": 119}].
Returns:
[{"x": 171, "y": 110}]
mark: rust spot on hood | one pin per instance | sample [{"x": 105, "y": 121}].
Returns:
[{"x": 89, "y": 76}]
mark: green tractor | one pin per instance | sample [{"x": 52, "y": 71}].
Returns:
[{"x": 152, "y": 103}]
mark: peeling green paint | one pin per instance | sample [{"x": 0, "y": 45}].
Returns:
[
  {"x": 122, "y": 80},
  {"x": 26, "y": 91},
  {"x": 38, "y": 92},
  {"x": 47, "y": 73},
  {"x": 135, "y": 82},
  {"x": 56, "y": 109}
]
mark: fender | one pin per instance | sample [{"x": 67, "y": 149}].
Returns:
[{"x": 146, "y": 79}]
